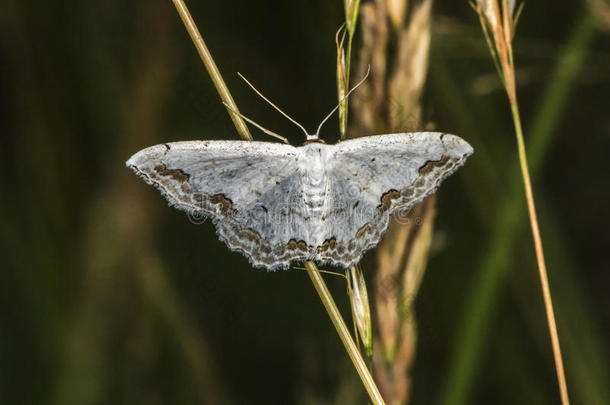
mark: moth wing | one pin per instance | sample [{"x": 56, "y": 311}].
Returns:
[
  {"x": 243, "y": 186},
  {"x": 372, "y": 177}
]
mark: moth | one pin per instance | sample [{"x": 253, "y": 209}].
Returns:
[{"x": 278, "y": 204}]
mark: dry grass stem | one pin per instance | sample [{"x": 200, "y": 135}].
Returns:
[
  {"x": 344, "y": 333},
  {"x": 397, "y": 11},
  {"x": 361, "y": 310},
  {"x": 411, "y": 68},
  {"x": 499, "y": 22},
  {"x": 390, "y": 102},
  {"x": 400, "y": 267},
  {"x": 368, "y": 105},
  {"x": 352, "y": 10},
  {"x": 212, "y": 69},
  {"x": 342, "y": 83}
]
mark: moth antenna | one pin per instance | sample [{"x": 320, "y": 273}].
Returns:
[
  {"x": 265, "y": 130},
  {"x": 273, "y": 105},
  {"x": 342, "y": 100},
  {"x": 334, "y": 273}
]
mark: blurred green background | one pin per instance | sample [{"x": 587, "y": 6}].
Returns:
[{"x": 108, "y": 296}]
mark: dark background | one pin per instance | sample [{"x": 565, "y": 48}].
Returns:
[{"x": 108, "y": 296}]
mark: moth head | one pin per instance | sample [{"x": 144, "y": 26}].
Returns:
[{"x": 313, "y": 139}]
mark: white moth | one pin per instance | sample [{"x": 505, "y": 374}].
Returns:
[{"x": 277, "y": 204}]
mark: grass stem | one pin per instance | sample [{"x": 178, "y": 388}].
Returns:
[
  {"x": 212, "y": 69},
  {"x": 343, "y": 331},
  {"x": 482, "y": 299},
  {"x": 344, "y": 103},
  {"x": 544, "y": 279},
  {"x": 352, "y": 9}
]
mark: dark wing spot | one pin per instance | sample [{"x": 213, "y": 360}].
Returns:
[
  {"x": 176, "y": 174},
  {"x": 407, "y": 192},
  {"x": 386, "y": 199},
  {"x": 364, "y": 229},
  {"x": 293, "y": 244},
  {"x": 223, "y": 201},
  {"x": 328, "y": 244},
  {"x": 250, "y": 235},
  {"x": 432, "y": 164},
  {"x": 302, "y": 246}
]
